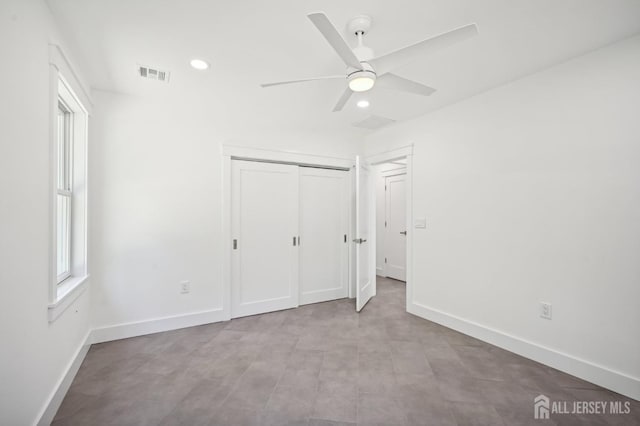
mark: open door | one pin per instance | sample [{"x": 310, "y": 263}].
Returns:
[{"x": 364, "y": 276}]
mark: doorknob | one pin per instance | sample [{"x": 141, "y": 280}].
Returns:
[
  {"x": 403, "y": 232},
  {"x": 359, "y": 241}
]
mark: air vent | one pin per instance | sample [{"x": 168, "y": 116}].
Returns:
[
  {"x": 153, "y": 73},
  {"x": 373, "y": 122}
]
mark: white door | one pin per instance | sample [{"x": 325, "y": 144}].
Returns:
[
  {"x": 324, "y": 216},
  {"x": 396, "y": 229},
  {"x": 365, "y": 265},
  {"x": 264, "y": 228}
]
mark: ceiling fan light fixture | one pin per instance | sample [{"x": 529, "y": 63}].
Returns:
[{"x": 361, "y": 81}]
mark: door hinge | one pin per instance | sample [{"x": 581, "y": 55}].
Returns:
[
  {"x": 294, "y": 241},
  {"x": 385, "y": 260},
  {"x": 235, "y": 244},
  {"x": 345, "y": 238},
  {"x": 385, "y": 223}
]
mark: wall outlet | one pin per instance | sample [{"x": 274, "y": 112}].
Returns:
[
  {"x": 185, "y": 287},
  {"x": 545, "y": 310}
]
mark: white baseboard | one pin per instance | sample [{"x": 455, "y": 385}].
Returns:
[
  {"x": 597, "y": 374},
  {"x": 380, "y": 271},
  {"x": 52, "y": 405},
  {"x": 157, "y": 325}
]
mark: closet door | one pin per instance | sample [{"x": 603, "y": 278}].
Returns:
[
  {"x": 324, "y": 218},
  {"x": 264, "y": 200}
]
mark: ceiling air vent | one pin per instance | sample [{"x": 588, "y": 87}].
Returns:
[
  {"x": 153, "y": 73},
  {"x": 374, "y": 122}
]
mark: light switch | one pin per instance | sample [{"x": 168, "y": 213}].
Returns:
[{"x": 421, "y": 222}]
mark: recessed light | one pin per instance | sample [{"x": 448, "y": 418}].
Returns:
[
  {"x": 199, "y": 64},
  {"x": 363, "y": 103}
]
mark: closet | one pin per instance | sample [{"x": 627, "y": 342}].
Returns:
[{"x": 290, "y": 231}]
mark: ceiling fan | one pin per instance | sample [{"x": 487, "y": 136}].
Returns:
[{"x": 364, "y": 70}]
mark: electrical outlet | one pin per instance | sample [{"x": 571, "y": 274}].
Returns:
[
  {"x": 185, "y": 287},
  {"x": 545, "y": 310}
]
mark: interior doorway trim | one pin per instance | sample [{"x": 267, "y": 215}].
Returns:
[
  {"x": 391, "y": 155},
  {"x": 386, "y": 157},
  {"x": 231, "y": 152}
]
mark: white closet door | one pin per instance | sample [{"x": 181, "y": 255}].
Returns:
[
  {"x": 396, "y": 232},
  {"x": 264, "y": 215},
  {"x": 324, "y": 218}
]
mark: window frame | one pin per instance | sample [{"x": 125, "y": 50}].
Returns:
[{"x": 68, "y": 93}]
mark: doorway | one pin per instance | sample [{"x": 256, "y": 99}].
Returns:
[
  {"x": 391, "y": 226},
  {"x": 393, "y": 218}
]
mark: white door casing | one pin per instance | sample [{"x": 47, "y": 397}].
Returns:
[
  {"x": 324, "y": 228},
  {"x": 395, "y": 244},
  {"x": 264, "y": 223},
  {"x": 365, "y": 255},
  {"x": 405, "y": 153}
]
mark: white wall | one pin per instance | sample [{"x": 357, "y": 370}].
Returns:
[
  {"x": 34, "y": 354},
  {"x": 532, "y": 193},
  {"x": 156, "y": 211}
]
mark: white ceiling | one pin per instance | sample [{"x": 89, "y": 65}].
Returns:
[{"x": 251, "y": 42}]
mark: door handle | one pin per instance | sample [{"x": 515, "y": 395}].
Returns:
[
  {"x": 359, "y": 241},
  {"x": 403, "y": 232}
]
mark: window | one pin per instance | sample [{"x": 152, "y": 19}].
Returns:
[
  {"x": 64, "y": 193},
  {"x": 69, "y": 125}
]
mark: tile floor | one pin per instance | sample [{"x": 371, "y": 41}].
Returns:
[{"x": 320, "y": 365}]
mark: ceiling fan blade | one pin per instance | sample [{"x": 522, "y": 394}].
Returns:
[
  {"x": 302, "y": 80},
  {"x": 394, "y": 82},
  {"x": 334, "y": 38},
  {"x": 343, "y": 100},
  {"x": 386, "y": 63}
]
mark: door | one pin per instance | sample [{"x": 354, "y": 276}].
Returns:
[
  {"x": 264, "y": 228},
  {"x": 396, "y": 229},
  {"x": 364, "y": 274},
  {"x": 324, "y": 216}
]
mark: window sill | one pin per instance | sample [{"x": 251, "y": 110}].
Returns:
[{"x": 67, "y": 292}]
